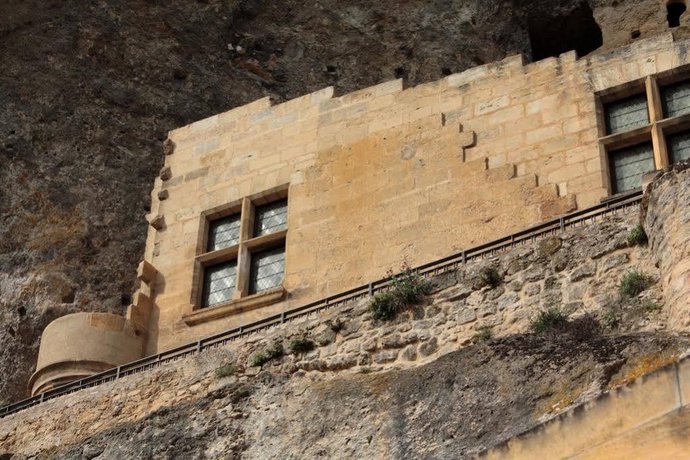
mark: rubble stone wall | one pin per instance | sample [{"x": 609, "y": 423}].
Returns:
[{"x": 578, "y": 271}]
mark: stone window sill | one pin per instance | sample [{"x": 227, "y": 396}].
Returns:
[{"x": 235, "y": 306}]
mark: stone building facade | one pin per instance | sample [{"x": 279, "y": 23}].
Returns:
[{"x": 264, "y": 208}]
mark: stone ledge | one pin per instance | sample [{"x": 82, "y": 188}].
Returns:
[
  {"x": 612, "y": 421},
  {"x": 235, "y": 306}
]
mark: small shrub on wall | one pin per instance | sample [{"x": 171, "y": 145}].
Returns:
[
  {"x": 634, "y": 282},
  {"x": 611, "y": 317},
  {"x": 491, "y": 276},
  {"x": 483, "y": 334},
  {"x": 548, "y": 320},
  {"x": 274, "y": 351},
  {"x": 301, "y": 345},
  {"x": 384, "y": 306},
  {"x": 407, "y": 289},
  {"x": 637, "y": 236},
  {"x": 225, "y": 370}
]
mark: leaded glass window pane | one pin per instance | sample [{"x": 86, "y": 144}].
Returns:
[
  {"x": 629, "y": 164},
  {"x": 219, "y": 283},
  {"x": 679, "y": 147},
  {"x": 270, "y": 218},
  {"x": 224, "y": 233},
  {"x": 676, "y": 99},
  {"x": 267, "y": 270},
  {"x": 627, "y": 114}
]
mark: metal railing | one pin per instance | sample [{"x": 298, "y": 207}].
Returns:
[{"x": 429, "y": 270}]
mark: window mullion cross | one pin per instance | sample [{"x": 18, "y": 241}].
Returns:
[
  {"x": 656, "y": 114},
  {"x": 243, "y": 256}
]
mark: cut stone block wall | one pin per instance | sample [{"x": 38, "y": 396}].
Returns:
[{"x": 388, "y": 174}]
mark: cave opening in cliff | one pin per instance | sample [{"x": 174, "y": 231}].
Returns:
[
  {"x": 553, "y": 35},
  {"x": 674, "y": 11}
]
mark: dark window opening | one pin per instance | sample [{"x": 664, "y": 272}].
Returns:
[
  {"x": 628, "y": 165},
  {"x": 679, "y": 147},
  {"x": 219, "y": 283},
  {"x": 675, "y": 99},
  {"x": 270, "y": 218},
  {"x": 626, "y": 114},
  {"x": 553, "y": 35},
  {"x": 267, "y": 270},
  {"x": 224, "y": 233},
  {"x": 674, "y": 10}
]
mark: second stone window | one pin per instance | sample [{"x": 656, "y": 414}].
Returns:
[{"x": 646, "y": 127}]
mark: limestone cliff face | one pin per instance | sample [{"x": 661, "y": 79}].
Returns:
[
  {"x": 454, "y": 407},
  {"x": 667, "y": 218},
  {"x": 89, "y": 90}
]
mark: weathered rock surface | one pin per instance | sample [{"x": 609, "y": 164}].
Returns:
[
  {"x": 666, "y": 217},
  {"x": 450, "y": 408},
  {"x": 89, "y": 90}
]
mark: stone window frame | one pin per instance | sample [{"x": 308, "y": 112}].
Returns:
[
  {"x": 242, "y": 300},
  {"x": 655, "y": 132}
]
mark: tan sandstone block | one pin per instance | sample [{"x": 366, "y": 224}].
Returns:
[
  {"x": 557, "y": 207},
  {"x": 541, "y": 134}
]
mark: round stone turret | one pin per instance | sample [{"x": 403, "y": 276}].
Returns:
[{"x": 83, "y": 344}]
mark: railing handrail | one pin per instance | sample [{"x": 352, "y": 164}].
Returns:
[{"x": 529, "y": 234}]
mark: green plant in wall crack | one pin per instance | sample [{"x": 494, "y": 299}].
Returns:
[
  {"x": 384, "y": 306},
  {"x": 650, "y": 306},
  {"x": 547, "y": 320},
  {"x": 483, "y": 334},
  {"x": 637, "y": 236},
  {"x": 406, "y": 289},
  {"x": 226, "y": 370},
  {"x": 490, "y": 276},
  {"x": 273, "y": 352},
  {"x": 410, "y": 287},
  {"x": 634, "y": 282},
  {"x": 611, "y": 317},
  {"x": 301, "y": 345}
]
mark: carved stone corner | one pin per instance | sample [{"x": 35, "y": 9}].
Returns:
[
  {"x": 168, "y": 147},
  {"x": 468, "y": 139},
  {"x": 165, "y": 173},
  {"x": 158, "y": 222},
  {"x": 146, "y": 272}
]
